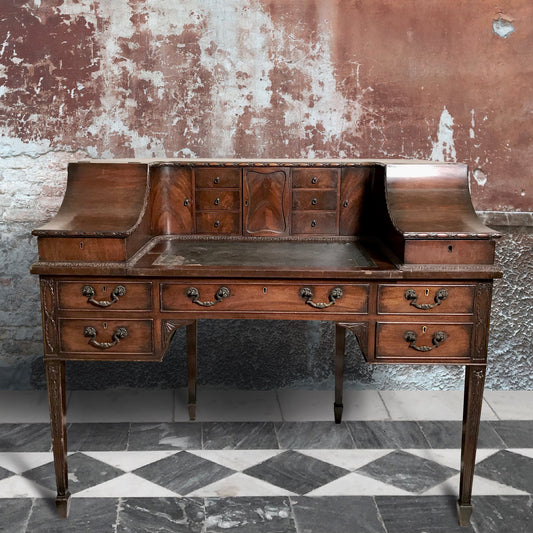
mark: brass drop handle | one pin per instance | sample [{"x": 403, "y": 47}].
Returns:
[
  {"x": 440, "y": 296},
  {"x": 120, "y": 333},
  {"x": 438, "y": 338},
  {"x": 89, "y": 293},
  {"x": 334, "y": 294},
  {"x": 194, "y": 294}
]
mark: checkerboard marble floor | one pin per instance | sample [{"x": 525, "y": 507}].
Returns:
[{"x": 266, "y": 462}]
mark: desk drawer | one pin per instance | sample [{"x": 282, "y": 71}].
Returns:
[
  {"x": 217, "y": 199},
  {"x": 105, "y": 295},
  {"x": 303, "y": 199},
  {"x": 265, "y": 297},
  {"x": 315, "y": 178},
  {"x": 425, "y": 299},
  {"x": 221, "y": 222},
  {"x": 217, "y": 177},
  {"x": 428, "y": 340},
  {"x": 96, "y": 336},
  {"x": 314, "y": 223}
]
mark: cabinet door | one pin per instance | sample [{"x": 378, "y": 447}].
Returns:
[{"x": 266, "y": 201}]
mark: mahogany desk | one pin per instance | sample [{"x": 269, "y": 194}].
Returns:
[{"x": 389, "y": 250}]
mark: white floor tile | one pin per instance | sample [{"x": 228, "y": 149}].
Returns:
[
  {"x": 310, "y": 405},
  {"x": 121, "y": 406},
  {"x": 20, "y": 487},
  {"x": 428, "y": 405},
  {"x": 236, "y": 459},
  {"x": 128, "y": 485},
  {"x": 234, "y": 406},
  {"x": 481, "y": 487},
  {"x": 511, "y": 405},
  {"x": 348, "y": 459},
  {"x": 239, "y": 484},
  {"x": 129, "y": 461},
  {"x": 19, "y": 407},
  {"x": 357, "y": 485},
  {"x": 19, "y": 462}
]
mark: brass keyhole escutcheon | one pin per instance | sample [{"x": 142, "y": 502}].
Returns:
[
  {"x": 424, "y": 329},
  {"x": 264, "y": 290},
  {"x": 426, "y": 292},
  {"x": 105, "y": 325},
  {"x": 104, "y": 288}
]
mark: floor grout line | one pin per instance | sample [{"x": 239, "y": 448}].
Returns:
[{"x": 385, "y": 405}]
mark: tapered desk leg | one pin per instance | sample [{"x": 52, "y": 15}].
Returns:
[
  {"x": 55, "y": 377},
  {"x": 340, "y": 337},
  {"x": 192, "y": 335},
  {"x": 474, "y": 384}
]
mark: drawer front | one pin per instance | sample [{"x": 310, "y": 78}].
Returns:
[
  {"x": 314, "y": 223},
  {"x": 217, "y": 177},
  {"x": 416, "y": 340},
  {"x": 221, "y": 222},
  {"x": 215, "y": 199},
  {"x": 266, "y": 297},
  {"x": 96, "y": 336},
  {"x": 425, "y": 299},
  {"x": 303, "y": 199},
  {"x": 105, "y": 295},
  {"x": 315, "y": 178}
]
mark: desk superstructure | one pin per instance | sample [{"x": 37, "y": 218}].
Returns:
[{"x": 389, "y": 250}]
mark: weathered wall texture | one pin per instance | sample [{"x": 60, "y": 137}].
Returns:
[{"x": 441, "y": 79}]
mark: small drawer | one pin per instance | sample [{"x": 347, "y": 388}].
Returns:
[
  {"x": 319, "y": 299},
  {"x": 96, "y": 336},
  {"x": 425, "y": 299},
  {"x": 303, "y": 199},
  {"x": 422, "y": 341},
  {"x": 213, "y": 199},
  {"x": 318, "y": 223},
  {"x": 315, "y": 178},
  {"x": 109, "y": 295},
  {"x": 217, "y": 178},
  {"x": 221, "y": 222}
]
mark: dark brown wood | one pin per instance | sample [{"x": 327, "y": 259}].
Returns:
[
  {"x": 55, "y": 379},
  {"x": 473, "y": 401},
  {"x": 390, "y": 251}
]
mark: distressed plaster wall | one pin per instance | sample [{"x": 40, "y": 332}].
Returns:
[{"x": 441, "y": 79}]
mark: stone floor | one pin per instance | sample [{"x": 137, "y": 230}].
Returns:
[{"x": 266, "y": 462}]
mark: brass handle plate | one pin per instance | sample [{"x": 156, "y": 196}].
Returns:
[
  {"x": 89, "y": 292},
  {"x": 438, "y": 338},
  {"x": 334, "y": 294},
  {"x": 194, "y": 294},
  {"x": 120, "y": 333},
  {"x": 440, "y": 296}
]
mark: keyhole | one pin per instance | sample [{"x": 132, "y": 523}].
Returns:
[
  {"x": 426, "y": 292},
  {"x": 104, "y": 288},
  {"x": 81, "y": 246},
  {"x": 424, "y": 329},
  {"x": 105, "y": 325},
  {"x": 264, "y": 290},
  {"x": 450, "y": 248}
]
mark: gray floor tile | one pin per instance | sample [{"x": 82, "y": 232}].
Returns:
[
  {"x": 385, "y": 434},
  {"x": 420, "y": 514},
  {"x": 495, "y": 514},
  {"x": 239, "y": 435},
  {"x": 84, "y": 472},
  {"x": 515, "y": 433},
  {"x": 98, "y": 437},
  {"x": 313, "y": 435},
  {"x": 249, "y": 515},
  {"x": 341, "y": 514},
  {"x": 25, "y": 438},
  {"x": 407, "y": 471},
  {"x": 5, "y": 473},
  {"x": 14, "y": 513},
  {"x": 447, "y": 434},
  {"x": 296, "y": 472},
  {"x": 165, "y": 436},
  {"x": 161, "y": 515},
  {"x": 183, "y": 472},
  {"x": 87, "y": 515},
  {"x": 508, "y": 468}
]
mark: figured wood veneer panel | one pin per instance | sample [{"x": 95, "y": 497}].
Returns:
[
  {"x": 81, "y": 249},
  {"x": 218, "y": 222}
]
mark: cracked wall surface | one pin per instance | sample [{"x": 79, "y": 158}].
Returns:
[{"x": 449, "y": 81}]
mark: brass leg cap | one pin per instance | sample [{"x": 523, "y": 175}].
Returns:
[
  {"x": 63, "y": 505},
  {"x": 464, "y": 512},
  {"x": 192, "y": 411}
]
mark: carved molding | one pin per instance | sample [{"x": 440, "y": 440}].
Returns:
[
  {"x": 54, "y": 379},
  {"x": 48, "y": 299},
  {"x": 482, "y": 300},
  {"x": 360, "y": 330}
]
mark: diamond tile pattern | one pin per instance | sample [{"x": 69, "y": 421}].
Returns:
[{"x": 5, "y": 473}]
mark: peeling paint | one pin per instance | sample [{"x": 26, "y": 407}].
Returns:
[
  {"x": 444, "y": 147},
  {"x": 480, "y": 177},
  {"x": 503, "y": 27}
]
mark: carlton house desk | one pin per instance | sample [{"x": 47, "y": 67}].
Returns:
[{"x": 391, "y": 251}]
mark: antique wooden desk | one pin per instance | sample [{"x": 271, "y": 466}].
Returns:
[{"x": 389, "y": 250}]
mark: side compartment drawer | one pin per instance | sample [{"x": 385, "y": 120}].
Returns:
[
  {"x": 303, "y": 199},
  {"x": 217, "y": 177},
  {"x": 264, "y": 297},
  {"x": 424, "y": 299},
  {"x": 217, "y": 199},
  {"x": 101, "y": 295},
  {"x": 315, "y": 178},
  {"x": 315, "y": 223},
  {"x": 415, "y": 340},
  {"x": 218, "y": 222},
  {"x": 96, "y": 336}
]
